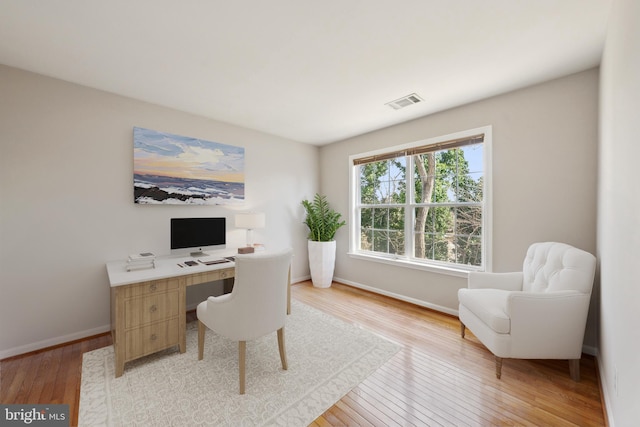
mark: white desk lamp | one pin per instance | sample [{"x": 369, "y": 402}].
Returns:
[{"x": 250, "y": 221}]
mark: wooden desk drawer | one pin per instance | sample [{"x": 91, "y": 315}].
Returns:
[
  {"x": 210, "y": 276},
  {"x": 143, "y": 310},
  {"x": 152, "y": 338},
  {"x": 149, "y": 288}
]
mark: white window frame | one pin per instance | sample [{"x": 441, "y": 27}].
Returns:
[{"x": 406, "y": 260}]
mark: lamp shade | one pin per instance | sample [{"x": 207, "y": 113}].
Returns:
[{"x": 250, "y": 220}]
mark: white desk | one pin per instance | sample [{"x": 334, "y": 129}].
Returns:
[
  {"x": 166, "y": 267},
  {"x": 148, "y": 308}
]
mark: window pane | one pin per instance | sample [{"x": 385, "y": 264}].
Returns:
[
  {"x": 441, "y": 247},
  {"x": 371, "y": 175},
  {"x": 438, "y": 219},
  {"x": 396, "y": 242},
  {"x": 469, "y": 221},
  {"x": 397, "y": 182},
  {"x": 383, "y": 182},
  {"x": 396, "y": 219},
  {"x": 473, "y": 155},
  {"x": 366, "y": 239},
  {"x": 446, "y": 172},
  {"x": 469, "y": 250},
  {"x": 443, "y": 219},
  {"x": 366, "y": 217},
  {"x": 366, "y": 229},
  {"x": 424, "y": 220},
  {"x": 423, "y": 176},
  {"x": 380, "y": 218},
  {"x": 470, "y": 187},
  {"x": 382, "y": 230}
]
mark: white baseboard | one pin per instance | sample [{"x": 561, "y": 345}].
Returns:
[
  {"x": 400, "y": 297},
  {"x": 300, "y": 279},
  {"x": 15, "y": 351},
  {"x": 591, "y": 351}
]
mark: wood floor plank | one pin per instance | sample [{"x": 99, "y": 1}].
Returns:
[
  {"x": 436, "y": 379},
  {"x": 369, "y": 411},
  {"x": 14, "y": 372},
  {"x": 44, "y": 367}
]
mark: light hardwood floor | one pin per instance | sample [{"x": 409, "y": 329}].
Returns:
[{"x": 436, "y": 379}]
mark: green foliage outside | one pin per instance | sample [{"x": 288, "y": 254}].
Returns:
[
  {"x": 323, "y": 222},
  {"x": 448, "y": 229}
]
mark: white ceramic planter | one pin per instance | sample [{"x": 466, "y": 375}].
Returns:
[{"x": 322, "y": 260}]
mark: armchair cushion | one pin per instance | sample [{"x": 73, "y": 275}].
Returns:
[{"x": 489, "y": 305}]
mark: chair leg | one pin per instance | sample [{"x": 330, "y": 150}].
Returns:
[
  {"x": 498, "y": 367},
  {"x": 242, "y": 358},
  {"x": 462, "y": 329},
  {"x": 283, "y": 352},
  {"x": 201, "y": 331},
  {"x": 574, "y": 369}
]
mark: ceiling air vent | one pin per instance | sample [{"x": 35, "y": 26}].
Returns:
[{"x": 405, "y": 101}]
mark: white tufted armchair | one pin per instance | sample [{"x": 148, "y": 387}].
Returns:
[{"x": 539, "y": 313}]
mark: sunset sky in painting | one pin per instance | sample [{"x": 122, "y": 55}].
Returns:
[{"x": 165, "y": 154}]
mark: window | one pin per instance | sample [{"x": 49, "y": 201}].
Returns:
[{"x": 426, "y": 204}]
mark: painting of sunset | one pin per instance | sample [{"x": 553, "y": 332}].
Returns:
[{"x": 173, "y": 169}]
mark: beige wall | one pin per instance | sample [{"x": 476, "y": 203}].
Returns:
[
  {"x": 66, "y": 201},
  {"x": 619, "y": 216},
  {"x": 544, "y": 181}
]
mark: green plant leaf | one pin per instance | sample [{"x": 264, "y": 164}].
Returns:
[{"x": 322, "y": 221}]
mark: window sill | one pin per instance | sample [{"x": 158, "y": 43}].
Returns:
[{"x": 402, "y": 262}]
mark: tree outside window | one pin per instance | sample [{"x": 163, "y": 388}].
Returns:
[{"x": 442, "y": 200}]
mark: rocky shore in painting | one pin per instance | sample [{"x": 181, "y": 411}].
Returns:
[{"x": 169, "y": 190}]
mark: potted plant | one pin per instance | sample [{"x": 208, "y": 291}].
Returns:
[{"x": 323, "y": 222}]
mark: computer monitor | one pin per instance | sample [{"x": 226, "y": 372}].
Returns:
[{"x": 193, "y": 236}]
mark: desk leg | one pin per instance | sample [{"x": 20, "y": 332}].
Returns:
[
  {"x": 119, "y": 362},
  {"x": 182, "y": 303},
  {"x": 119, "y": 369},
  {"x": 117, "y": 328}
]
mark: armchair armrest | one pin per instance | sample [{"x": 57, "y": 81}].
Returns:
[
  {"x": 548, "y": 324},
  {"x": 532, "y": 305},
  {"x": 504, "y": 281}
]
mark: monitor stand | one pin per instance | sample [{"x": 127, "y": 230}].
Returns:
[{"x": 198, "y": 254}]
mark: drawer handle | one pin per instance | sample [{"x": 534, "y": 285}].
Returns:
[
  {"x": 154, "y": 337},
  {"x": 153, "y": 308},
  {"x": 223, "y": 274},
  {"x": 153, "y": 287}
]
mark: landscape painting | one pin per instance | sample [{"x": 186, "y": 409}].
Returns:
[{"x": 179, "y": 170}]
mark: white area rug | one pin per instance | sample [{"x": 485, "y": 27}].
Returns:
[{"x": 327, "y": 358}]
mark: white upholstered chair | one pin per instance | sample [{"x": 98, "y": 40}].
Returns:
[
  {"x": 256, "y": 306},
  {"x": 539, "y": 313}
]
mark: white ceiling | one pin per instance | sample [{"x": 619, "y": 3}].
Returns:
[{"x": 311, "y": 71}]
